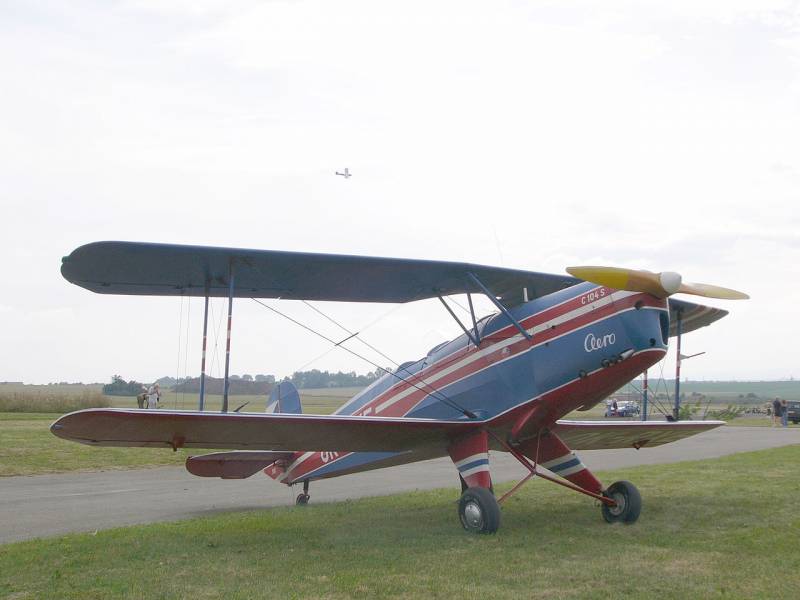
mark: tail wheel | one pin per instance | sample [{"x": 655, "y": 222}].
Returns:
[
  {"x": 628, "y": 503},
  {"x": 302, "y": 499},
  {"x": 479, "y": 511}
]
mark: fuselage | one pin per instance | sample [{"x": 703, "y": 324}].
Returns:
[{"x": 587, "y": 341}]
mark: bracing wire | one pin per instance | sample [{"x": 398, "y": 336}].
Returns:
[
  {"x": 436, "y": 393},
  {"x": 315, "y": 359},
  {"x": 178, "y": 361},
  {"x": 216, "y": 324},
  {"x": 186, "y": 349},
  {"x": 382, "y": 316},
  {"x": 356, "y": 335},
  {"x": 361, "y": 331},
  {"x": 657, "y": 402},
  {"x": 459, "y": 305}
]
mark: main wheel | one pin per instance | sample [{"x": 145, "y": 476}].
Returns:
[
  {"x": 302, "y": 499},
  {"x": 628, "y": 503},
  {"x": 479, "y": 511}
]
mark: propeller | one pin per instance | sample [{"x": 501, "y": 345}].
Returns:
[{"x": 661, "y": 284}]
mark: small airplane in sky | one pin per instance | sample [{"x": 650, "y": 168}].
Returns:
[
  {"x": 346, "y": 173},
  {"x": 556, "y": 344}
]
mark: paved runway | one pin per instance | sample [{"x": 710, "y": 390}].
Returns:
[{"x": 47, "y": 505}]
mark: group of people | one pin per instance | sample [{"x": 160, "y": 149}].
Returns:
[
  {"x": 780, "y": 413},
  {"x": 149, "y": 397}
]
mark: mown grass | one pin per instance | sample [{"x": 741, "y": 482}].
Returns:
[
  {"x": 28, "y": 448},
  {"x": 724, "y": 528}
]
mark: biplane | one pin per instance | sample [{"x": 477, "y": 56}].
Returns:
[{"x": 555, "y": 344}]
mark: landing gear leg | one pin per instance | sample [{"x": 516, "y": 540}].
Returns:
[
  {"x": 302, "y": 499},
  {"x": 621, "y": 502}
]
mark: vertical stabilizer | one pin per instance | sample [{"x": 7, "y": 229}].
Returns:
[{"x": 284, "y": 399}]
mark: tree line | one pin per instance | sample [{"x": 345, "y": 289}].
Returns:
[
  {"x": 248, "y": 384},
  {"x": 322, "y": 379}
]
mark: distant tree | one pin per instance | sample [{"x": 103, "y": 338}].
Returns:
[
  {"x": 322, "y": 379},
  {"x": 235, "y": 377},
  {"x": 120, "y": 387},
  {"x": 247, "y": 377}
]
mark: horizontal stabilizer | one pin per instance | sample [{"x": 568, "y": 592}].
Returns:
[
  {"x": 601, "y": 435},
  {"x": 254, "y": 431},
  {"x": 233, "y": 465},
  {"x": 693, "y": 316}
]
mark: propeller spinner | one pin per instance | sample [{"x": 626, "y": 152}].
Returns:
[{"x": 661, "y": 284}]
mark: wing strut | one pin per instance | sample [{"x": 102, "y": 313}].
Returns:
[
  {"x": 499, "y": 305},
  {"x": 475, "y": 339}
]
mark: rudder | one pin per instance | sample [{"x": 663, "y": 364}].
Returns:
[{"x": 284, "y": 398}]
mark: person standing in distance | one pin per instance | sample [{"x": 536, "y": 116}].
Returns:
[
  {"x": 141, "y": 397},
  {"x": 153, "y": 396},
  {"x": 776, "y": 412}
]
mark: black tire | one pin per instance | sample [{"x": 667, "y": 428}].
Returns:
[
  {"x": 478, "y": 511},
  {"x": 302, "y": 499},
  {"x": 629, "y": 503}
]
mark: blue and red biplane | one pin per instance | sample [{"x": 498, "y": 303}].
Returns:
[{"x": 556, "y": 344}]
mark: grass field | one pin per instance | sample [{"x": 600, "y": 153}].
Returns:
[
  {"x": 729, "y": 391},
  {"x": 724, "y": 528},
  {"x": 28, "y": 448}
]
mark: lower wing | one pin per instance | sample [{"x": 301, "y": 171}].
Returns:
[
  {"x": 255, "y": 431},
  {"x": 598, "y": 435}
]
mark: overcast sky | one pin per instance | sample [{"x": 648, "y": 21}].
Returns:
[{"x": 534, "y": 135}]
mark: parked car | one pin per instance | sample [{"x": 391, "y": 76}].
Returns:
[
  {"x": 793, "y": 411},
  {"x": 625, "y": 408}
]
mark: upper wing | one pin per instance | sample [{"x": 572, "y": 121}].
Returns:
[
  {"x": 249, "y": 431},
  {"x": 599, "y": 435},
  {"x": 693, "y": 316},
  {"x": 173, "y": 270}
]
